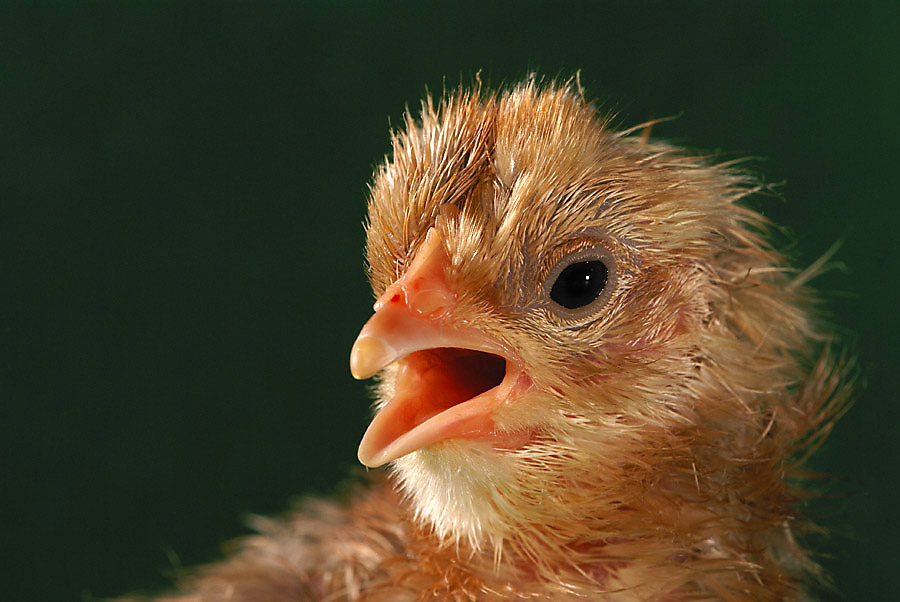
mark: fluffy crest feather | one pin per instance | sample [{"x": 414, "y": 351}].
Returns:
[
  {"x": 669, "y": 422},
  {"x": 661, "y": 436}
]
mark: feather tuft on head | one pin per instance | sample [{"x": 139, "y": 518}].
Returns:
[{"x": 659, "y": 435}]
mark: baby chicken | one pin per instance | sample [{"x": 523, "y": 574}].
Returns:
[{"x": 597, "y": 379}]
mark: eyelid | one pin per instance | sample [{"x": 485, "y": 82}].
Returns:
[{"x": 592, "y": 249}]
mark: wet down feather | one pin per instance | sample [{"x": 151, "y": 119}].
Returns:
[{"x": 597, "y": 378}]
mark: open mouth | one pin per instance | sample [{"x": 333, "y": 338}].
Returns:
[
  {"x": 452, "y": 377},
  {"x": 441, "y": 378},
  {"x": 440, "y": 393}
]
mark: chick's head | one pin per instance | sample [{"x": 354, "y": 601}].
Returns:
[{"x": 581, "y": 335}]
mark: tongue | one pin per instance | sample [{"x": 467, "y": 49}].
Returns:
[{"x": 442, "y": 378}]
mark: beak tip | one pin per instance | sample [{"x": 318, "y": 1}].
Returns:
[
  {"x": 355, "y": 369},
  {"x": 367, "y": 458},
  {"x": 369, "y": 355}
]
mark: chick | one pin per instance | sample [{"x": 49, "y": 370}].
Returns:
[{"x": 596, "y": 378}]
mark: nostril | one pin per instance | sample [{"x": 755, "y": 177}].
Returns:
[{"x": 427, "y": 302}]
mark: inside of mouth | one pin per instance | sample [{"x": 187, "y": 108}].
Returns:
[{"x": 434, "y": 380}]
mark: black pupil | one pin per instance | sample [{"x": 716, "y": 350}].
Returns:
[{"x": 579, "y": 284}]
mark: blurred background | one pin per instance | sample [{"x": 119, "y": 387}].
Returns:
[{"x": 182, "y": 187}]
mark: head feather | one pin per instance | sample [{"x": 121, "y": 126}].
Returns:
[{"x": 670, "y": 424}]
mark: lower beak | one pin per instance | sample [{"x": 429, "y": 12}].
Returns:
[{"x": 450, "y": 378}]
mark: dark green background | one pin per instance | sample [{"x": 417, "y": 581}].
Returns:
[{"x": 182, "y": 193}]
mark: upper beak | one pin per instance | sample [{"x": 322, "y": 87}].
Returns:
[
  {"x": 409, "y": 315},
  {"x": 437, "y": 393}
]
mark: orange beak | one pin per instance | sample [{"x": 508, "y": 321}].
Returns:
[{"x": 451, "y": 377}]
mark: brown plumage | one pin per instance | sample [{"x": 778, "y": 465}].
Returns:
[{"x": 635, "y": 433}]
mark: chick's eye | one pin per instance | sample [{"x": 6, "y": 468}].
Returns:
[{"x": 579, "y": 284}]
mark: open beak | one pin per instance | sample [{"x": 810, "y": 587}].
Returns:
[{"x": 451, "y": 377}]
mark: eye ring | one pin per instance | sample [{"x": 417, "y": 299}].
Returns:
[{"x": 588, "y": 281}]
